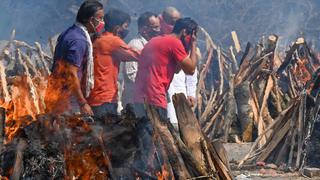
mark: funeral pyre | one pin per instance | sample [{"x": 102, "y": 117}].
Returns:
[
  {"x": 256, "y": 95},
  {"x": 47, "y": 146},
  {"x": 263, "y": 95}
]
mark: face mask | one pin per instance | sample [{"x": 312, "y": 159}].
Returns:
[
  {"x": 123, "y": 33},
  {"x": 149, "y": 33},
  {"x": 100, "y": 26},
  {"x": 186, "y": 41}
]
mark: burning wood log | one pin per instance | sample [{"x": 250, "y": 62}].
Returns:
[
  {"x": 192, "y": 135},
  {"x": 18, "y": 165},
  {"x": 179, "y": 168}
]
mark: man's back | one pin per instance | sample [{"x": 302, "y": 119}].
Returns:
[
  {"x": 106, "y": 69},
  {"x": 157, "y": 65}
]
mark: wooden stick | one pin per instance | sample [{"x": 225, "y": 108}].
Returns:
[
  {"x": 208, "y": 39},
  {"x": 261, "y": 124},
  {"x": 231, "y": 105},
  {"x": 221, "y": 71},
  {"x": 2, "y": 127},
  {"x": 209, "y": 106},
  {"x": 4, "y": 84},
  {"x": 42, "y": 60},
  {"x": 201, "y": 85},
  {"x": 233, "y": 58},
  {"x": 293, "y": 137},
  {"x": 271, "y": 126},
  {"x": 236, "y": 41},
  {"x": 5, "y": 51},
  {"x": 189, "y": 127},
  {"x": 52, "y": 46},
  {"x": 18, "y": 164},
  {"x": 300, "y": 127},
  {"x": 207, "y": 156},
  {"x": 32, "y": 89},
  {"x": 187, "y": 155},
  {"x": 176, "y": 161}
]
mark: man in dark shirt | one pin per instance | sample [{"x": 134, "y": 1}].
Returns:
[{"x": 71, "y": 78}]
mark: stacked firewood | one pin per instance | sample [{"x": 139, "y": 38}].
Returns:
[
  {"x": 71, "y": 147},
  {"x": 23, "y": 74},
  {"x": 49, "y": 146},
  {"x": 271, "y": 100}
]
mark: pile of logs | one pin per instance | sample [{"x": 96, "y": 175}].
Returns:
[
  {"x": 45, "y": 145},
  {"x": 253, "y": 95},
  {"x": 24, "y": 70},
  {"x": 271, "y": 100},
  {"x": 71, "y": 147}
]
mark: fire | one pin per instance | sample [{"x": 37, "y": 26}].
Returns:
[
  {"x": 23, "y": 107},
  {"x": 164, "y": 175},
  {"x": 301, "y": 71},
  {"x": 84, "y": 157}
]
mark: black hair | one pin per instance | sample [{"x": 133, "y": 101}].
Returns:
[
  {"x": 185, "y": 23},
  {"x": 87, "y": 10},
  {"x": 143, "y": 19},
  {"x": 115, "y": 18}
]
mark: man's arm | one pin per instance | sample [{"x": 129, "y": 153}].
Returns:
[
  {"x": 72, "y": 73},
  {"x": 131, "y": 68},
  {"x": 125, "y": 54}
]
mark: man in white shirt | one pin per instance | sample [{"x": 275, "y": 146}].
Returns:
[
  {"x": 181, "y": 82},
  {"x": 148, "y": 27}
]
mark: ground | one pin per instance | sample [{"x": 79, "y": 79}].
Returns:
[{"x": 237, "y": 151}]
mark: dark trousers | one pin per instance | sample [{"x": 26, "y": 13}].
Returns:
[
  {"x": 140, "y": 111},
  {"x": 104, "y": 109}
]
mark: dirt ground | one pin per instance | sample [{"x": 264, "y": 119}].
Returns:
[{"x": 237, "y": 151}]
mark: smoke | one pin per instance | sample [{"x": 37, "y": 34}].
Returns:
[{"x": 37, "y": 20}]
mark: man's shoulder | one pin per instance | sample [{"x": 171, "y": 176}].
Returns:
[
  {"x": 166, "y": 39},
  {"x": 107, "y": 37},
  {"x": 137, "y": 43},
  {"x": 73, "y": 33}
]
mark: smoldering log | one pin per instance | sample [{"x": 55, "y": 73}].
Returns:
[{"x": 192, "y": 135}]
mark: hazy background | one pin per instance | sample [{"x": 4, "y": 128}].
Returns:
[{"x": 36, "y": 20}]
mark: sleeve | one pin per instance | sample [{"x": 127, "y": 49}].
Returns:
[
  {"x": 75, "y": 52},
  {"x": 124, "y": 53},
  {"x": 130, "y": 70},
  {"x": 191, "y": 84},
  {"x": 136, "y": 44},
  {"x": 178, "y": 51}
]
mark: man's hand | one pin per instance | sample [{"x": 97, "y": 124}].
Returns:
[
  {"x": 86, "y": 109},
  {"x": 194, "y": 37},
  {"x": 192, "y": 101}
]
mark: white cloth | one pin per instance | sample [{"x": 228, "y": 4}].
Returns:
[
  {"x": 130, "y": 70},
  {"x": 89, "y": 79},
  {"x": 181, "y": 83}
]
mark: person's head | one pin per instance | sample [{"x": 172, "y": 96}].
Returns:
[
  {"x": 117, "y": 22},
  {"x": 149, "y": 25},
  {"x": 171, "y": 15},
  {"x": 90, "y": 15},
  {"x": 184, "y": 28}
]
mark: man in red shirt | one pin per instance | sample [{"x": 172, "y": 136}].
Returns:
[
  {"x": 108, "y": 51},
  {"x": 160, "y": 59}
]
